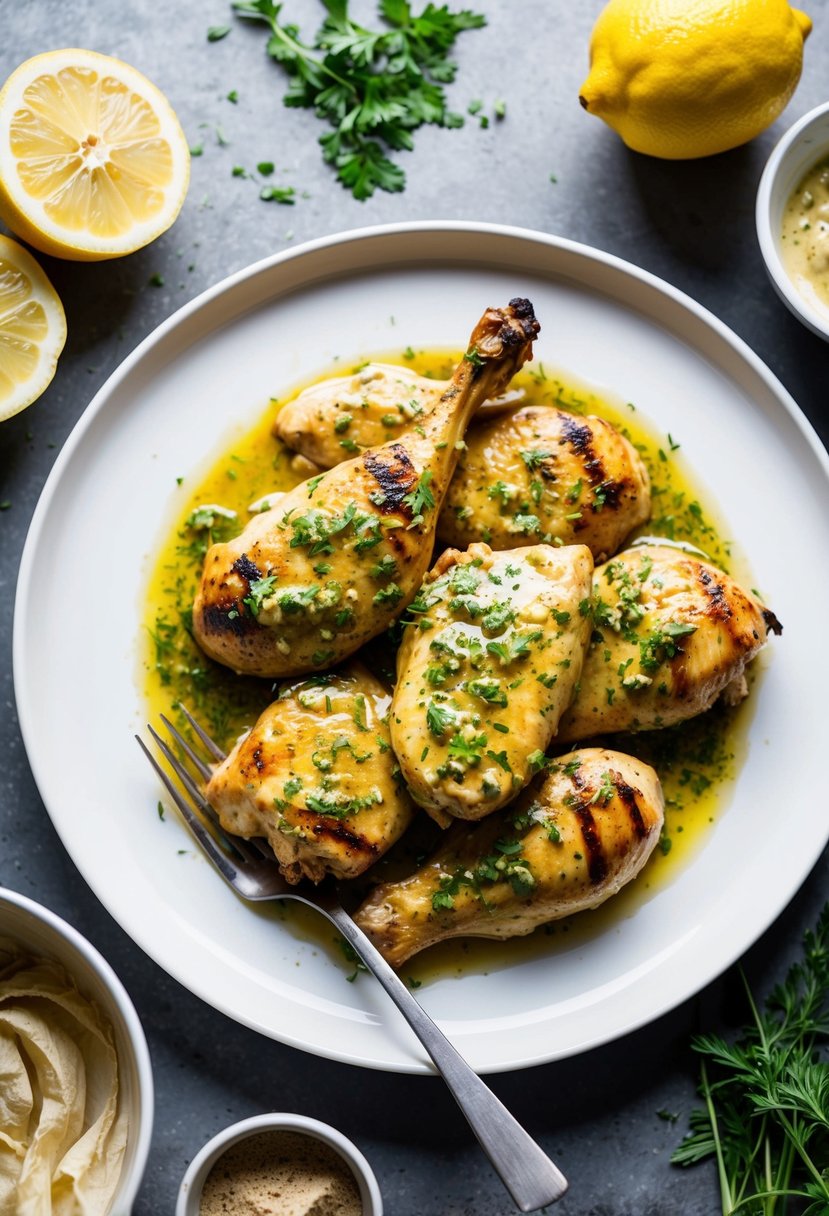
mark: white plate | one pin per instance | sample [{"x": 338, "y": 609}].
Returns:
[{"x": 166, "y": 409}]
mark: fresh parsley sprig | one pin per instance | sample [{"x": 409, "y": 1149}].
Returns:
[
  {"x": 766, "y": 1113},
  {"x": 375, "y": 88}
]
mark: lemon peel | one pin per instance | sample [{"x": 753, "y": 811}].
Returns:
[{"x": 32, "y": 329}]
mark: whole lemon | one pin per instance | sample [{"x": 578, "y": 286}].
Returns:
[{"x": 686, "y": 78}]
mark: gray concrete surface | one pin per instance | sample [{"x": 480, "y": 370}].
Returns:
[{"x": 692, "y": 224}]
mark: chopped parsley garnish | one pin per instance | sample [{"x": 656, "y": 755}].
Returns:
[
  {"x": 488, "y": 689},
  {"x": 440, "y": 719},
  {"x": 534, "y": 458},
  {"x": 389, "y": 596},
  {"x": 465, "y": 579},
  {"x": 373, "y": 87},
  {"x": 501, "y": 759},
  {"x": 278, "y": 194},
  {"x": 385, "y": 568},
  {"x": 421, "y": 498},
  {"x": 258, "y": 591},
  {"x": 662, "y": 644},
  {"x": 605, "y": 791},
  {"x": 514, "y": 646},
  {"x": 472, "y": 356},
  {"x": 504, "y": 864},
  {"x": 498, "y": 617}
]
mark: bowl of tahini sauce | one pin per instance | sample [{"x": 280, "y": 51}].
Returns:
[
  {"x": 279, "y": 1165},
  {"x": 76, "y": 1095},
  {"x": 792, "y": 217}
]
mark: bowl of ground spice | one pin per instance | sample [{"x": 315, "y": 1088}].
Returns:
[{"x": 279, "y": 1165}]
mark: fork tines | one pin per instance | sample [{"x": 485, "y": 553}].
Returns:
[{"x": 204, "y": 823}]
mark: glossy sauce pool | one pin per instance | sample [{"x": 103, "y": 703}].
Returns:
[{"x": 696, "y": 760}]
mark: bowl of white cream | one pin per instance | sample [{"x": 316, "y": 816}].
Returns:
[
  {"x": 792, "y": 216},
  {"x": 77, "y": 1082},
  {"x": 279, "y": 1165}
]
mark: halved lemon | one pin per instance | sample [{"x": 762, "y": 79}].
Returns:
[
  {"x": 32, "y": 328},
  {"x": 93, "y": 161}
]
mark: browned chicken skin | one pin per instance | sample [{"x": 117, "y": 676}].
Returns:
[
  {"x": 540, "y": 474},
  {"x": 316, "y": 775},
  {"x": 333, "y": 419},
  {"x": 341, "y": 555},
  {"x": 571, "y": 840},
  {"x": 671, "y": 633}
]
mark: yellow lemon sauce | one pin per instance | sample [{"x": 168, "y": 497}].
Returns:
[
  {"x": 805, "y": 236},
  {"x": 697, "y": 760}
]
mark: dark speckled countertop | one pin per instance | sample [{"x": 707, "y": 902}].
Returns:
[{"x": 690, "y": 223}]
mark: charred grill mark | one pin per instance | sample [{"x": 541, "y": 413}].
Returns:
[
  {"x": 627, "y": 795},
  {"x": 596, "y": 860},
  {"x": 335, "y": 830},
  {"x": 246, "y": 569},
  {"x": 580, "y": 438},
  {"x": 718, "y": 606},
  {"x": 395, "y": 478},
  {"x": 397, "y": 539},
  {"x": 217, "y": 619}
]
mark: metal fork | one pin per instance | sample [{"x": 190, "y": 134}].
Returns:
[{"x": 527, "y": 1172}]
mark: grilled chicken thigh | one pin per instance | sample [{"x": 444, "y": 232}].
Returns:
[
  {"x": 341, "y": 555},
  {"x": 335, "y": 418},
  {"x": 571, "y": 841},
  {"x": 316, "y": 775},
  {"x": 485, "y": 671},
  {"x": 540, "y": 474},
  {"x": 670, "y": 634}
]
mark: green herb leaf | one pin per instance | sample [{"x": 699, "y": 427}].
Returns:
[
  {"x": 374, "y": 88},
  {"x": 766, "y": 1094}
]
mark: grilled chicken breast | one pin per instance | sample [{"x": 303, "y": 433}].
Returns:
[
  {"x": 540, "y": 474},
  {"x": 485, "y": 672},
  {"x": 337, "y": 417},
  {"x": 572, "y": 840},
  {"x": 340, "y": 556},
  {"x": 316, "y": 775},
  {"x": 671, "y": 632}
]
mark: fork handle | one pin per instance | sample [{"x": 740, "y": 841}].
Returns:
[{"x": 524, "y": 1168}]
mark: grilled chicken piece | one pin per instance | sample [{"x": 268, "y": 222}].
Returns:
[
  {"x": 317, "y": 776},
  {"x": 540, "y": 474},
  {"x": 333, "y": 419},
  {"x": 571, "y": 841},
  {"x": 485, "y": 672},
  {"x": 341, "y": 555},
  {"x": 671, "y": 633}
]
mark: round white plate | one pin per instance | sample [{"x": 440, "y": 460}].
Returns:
[{"x": 213, "y": 366}]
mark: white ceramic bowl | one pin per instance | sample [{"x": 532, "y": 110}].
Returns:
[
  {"x": 801, "y": 147},
  {"x": 190, "y": 1191},
  {"x": 39, "y": 932}
]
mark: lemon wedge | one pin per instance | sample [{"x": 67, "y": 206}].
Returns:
[
  {"x": 93, "y": 161},
  {"x": 32, "y": 329}
]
